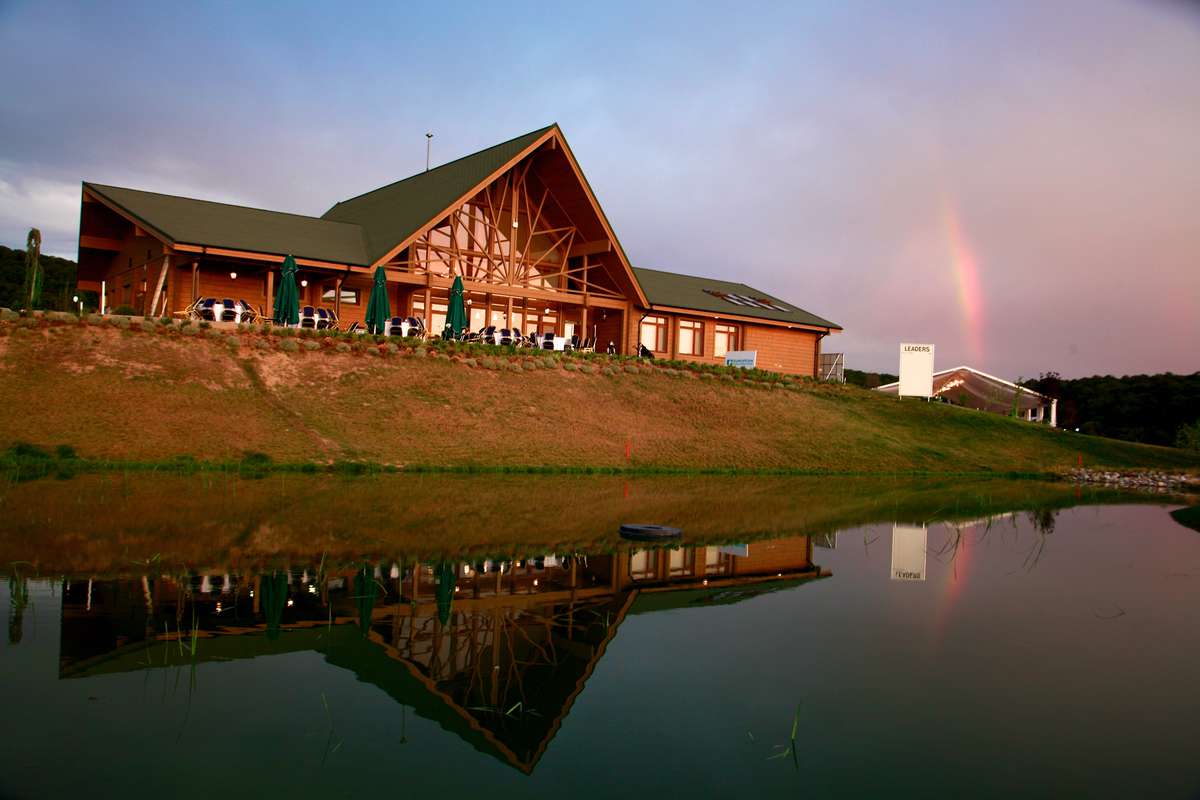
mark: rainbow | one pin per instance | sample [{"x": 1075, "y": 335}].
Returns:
[{"x": 966, "y": 272}]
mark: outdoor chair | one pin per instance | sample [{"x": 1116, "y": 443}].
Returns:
[
  {"x": 207, "y": 309},
  {"x": 588, "y": 346},
  {"x": 489, "y": 335},
  {"x": 228, "y": 311},
  {"x": 395, "y": 326},
  {"x": 246, "y": 313},
  {"x": 509, "y": 337},
  {"x": 416, "y": 327},
  {"x": 612, "y": 348},
  {"x": 574, "y": 343},
  {"x": 308, "y": 317},
  {"x": 325, "y": 319},
  {"x": 548, "y": 341},
  {"x": 644, "y": 352},
  {"x": 356, "y": 327}
]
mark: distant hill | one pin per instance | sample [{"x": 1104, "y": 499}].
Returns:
[
  {"x": 1137, "y": 408},
  {"x": 57, "y": 287}
]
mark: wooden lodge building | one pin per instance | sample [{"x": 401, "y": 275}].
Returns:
[{"x": 517, "y": 222}]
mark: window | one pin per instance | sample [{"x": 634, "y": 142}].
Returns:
[
  {"x": 724, "y": 340},
  {"x": 643, "y": 565},
  {"x": 349, "y": 296},
  {"x": 691, "y": 338},
  {"x": 654, "y": 334}
]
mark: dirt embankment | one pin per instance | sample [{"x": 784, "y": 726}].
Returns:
[{"x": 152, "y": 392}]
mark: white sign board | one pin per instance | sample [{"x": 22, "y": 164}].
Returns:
[
  {"x": 916, "y": 370},
  {"x": 746, "y": 359},
  {"x": 908, "y": 552}
]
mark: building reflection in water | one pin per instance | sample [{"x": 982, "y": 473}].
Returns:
[{"x": 495, "y": 651}]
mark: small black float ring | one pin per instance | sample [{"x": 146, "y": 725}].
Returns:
[{"x": 649, "y": 532}]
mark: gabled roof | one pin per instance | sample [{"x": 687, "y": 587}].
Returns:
[
  {"x": 184, "y": 220},
  {"x": 671, "y": 289},
  {"x": 988, "y": 390},
  {"x": 390, "y": 214}
]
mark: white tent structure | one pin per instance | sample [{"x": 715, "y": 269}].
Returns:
[{"x": 970, "y": 388}]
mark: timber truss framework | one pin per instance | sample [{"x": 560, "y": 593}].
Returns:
[{"x": 505, "y": 235}]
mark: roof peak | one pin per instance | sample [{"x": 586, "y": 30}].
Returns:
[{"x": 535, "y": 132}]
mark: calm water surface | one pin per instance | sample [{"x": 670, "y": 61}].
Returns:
[{"x": 1050, "y": 652}]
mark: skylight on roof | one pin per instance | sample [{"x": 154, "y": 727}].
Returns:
[{"x": 748, "y": 301}]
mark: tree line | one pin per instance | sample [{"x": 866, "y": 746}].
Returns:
[
  {"x": 56, "y": 282},
  {"x": 1152, "y": 409}
]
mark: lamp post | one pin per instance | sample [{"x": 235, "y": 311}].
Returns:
[{"x": 75, "y": 299}]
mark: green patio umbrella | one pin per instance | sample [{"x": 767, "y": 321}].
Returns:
[
  {"x": 274, "y": 588},
  {"x": 287, "y": 296},
  {"x": 447, "y": 577},
  {"x": 456, "y": 314},
  {"x": 365, "y": 590},
  {"x": 378, "y": 312}
]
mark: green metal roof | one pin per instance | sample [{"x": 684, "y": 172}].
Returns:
[
  {"x": 184, "y": 220},
  {"x": 392, "y": 213},
  {"x": 688, "y": 291}
]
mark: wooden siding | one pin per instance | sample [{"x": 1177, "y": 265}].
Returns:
[{"x": 780, "y": 349}]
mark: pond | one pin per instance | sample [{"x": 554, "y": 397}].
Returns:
[{"x": 213, "y": 635}]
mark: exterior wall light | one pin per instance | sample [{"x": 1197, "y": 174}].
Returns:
[
  {"x": 304, "y": 283},
  {"x": 233, "y": 276}
]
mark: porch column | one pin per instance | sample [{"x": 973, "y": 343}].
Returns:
[
  {"x": 337, "y": 298},
  {"x": 270, "y": 292},
  {"x": 1054, "y": 413},
  {"x": 625, "y": 323},
  {"x": 1040, "y": 413},
  {"x": 195, "y": 281}
]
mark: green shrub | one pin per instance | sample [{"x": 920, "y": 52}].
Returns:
[
  {"x": 233, "y": 342},
  {"x": 204, "y": 325},
  {"x": 288, "y": 345},
  {"x": 469, "y": 362},
  {"x": 312, "y": 345},
  {"x": 343, "y": 347},
  {"x": 569, "y": 367},
  {"x": 191, "y": 331},
  {"x": 259, "y": 344},
  {"x": 1188, "y": 437}
]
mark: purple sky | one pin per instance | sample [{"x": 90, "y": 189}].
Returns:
[{"x": 855, "y": 159}]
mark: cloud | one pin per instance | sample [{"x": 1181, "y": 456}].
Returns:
[{"x": 31, "y": 202}]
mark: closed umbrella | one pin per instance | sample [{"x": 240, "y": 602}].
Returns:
[
  {"x": 287, "y": 297},
  {"x": 378, "y": 312},
  {"x": 274, "y": 590},
  {"x": 456, "y": 314},
  {"x": 365, "y": 590},
  {"x": 447, "y": 577}
]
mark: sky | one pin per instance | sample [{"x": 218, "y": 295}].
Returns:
[{"x": 1017, "y": 183}]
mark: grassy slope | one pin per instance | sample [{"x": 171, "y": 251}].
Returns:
[{"x": 137, "y": 396}]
